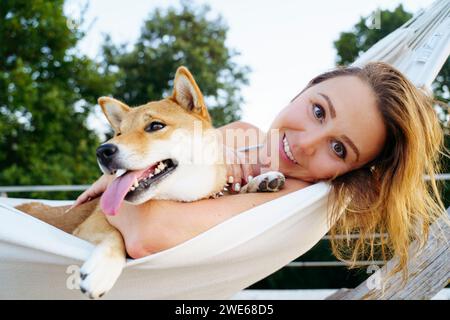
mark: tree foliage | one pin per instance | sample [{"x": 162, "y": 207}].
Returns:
[
  {"x": 353, "y": 43},
  {"x": 47, "y": 91},
  {"x": 363, "y": 36},
  {"x": 173, "y": 37}
]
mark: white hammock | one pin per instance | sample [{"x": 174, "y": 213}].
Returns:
[{"x": 34, "y": 256}]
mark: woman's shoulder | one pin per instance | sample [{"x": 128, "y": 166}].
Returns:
[{"x": 241, "y": 130}]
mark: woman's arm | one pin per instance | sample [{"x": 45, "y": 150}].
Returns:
[{"x": 160, "y": 224}]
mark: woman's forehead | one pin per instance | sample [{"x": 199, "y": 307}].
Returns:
[{"x": 347, "y": 89}]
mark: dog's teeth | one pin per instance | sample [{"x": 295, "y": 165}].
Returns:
[
  {"x": 120, "y": 172},
  {"x": 136, "y": 183},
  {"x": 132, "y": 188},
  {"x": 157, "y": 170},
  {"x": 161, "y": 166}
]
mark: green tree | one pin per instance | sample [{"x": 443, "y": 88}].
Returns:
[
  {"x": 352, "y": 43},
  {"x": 47, "y": 91},
  {"x": 173, "y": 37}
]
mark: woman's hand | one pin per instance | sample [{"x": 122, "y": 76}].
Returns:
[
  {"x": 94, "y": 191},
  {"x": 239, "y": 169}
]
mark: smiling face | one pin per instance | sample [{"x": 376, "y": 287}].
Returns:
[{"x": 331, "y": 128}]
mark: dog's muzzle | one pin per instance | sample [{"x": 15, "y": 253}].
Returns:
[{"x": 106, "y": 154}]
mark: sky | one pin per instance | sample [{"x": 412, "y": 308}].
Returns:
[{"x": 284, "y": 42}]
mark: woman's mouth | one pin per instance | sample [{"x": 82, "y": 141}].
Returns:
[{"x": 285, "y": 150}]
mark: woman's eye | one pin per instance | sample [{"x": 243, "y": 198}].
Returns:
[
  {"x": 318, "y": 111},
  {"x": 339, "y": 149},
  {"x": 155, "y": 126}
]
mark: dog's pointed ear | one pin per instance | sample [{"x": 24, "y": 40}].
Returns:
[
  {"x": 187, "y": 93},
  {"x": 114, "y": 111}
]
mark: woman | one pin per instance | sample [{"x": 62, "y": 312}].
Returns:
[{"x": 368, "y": 131}]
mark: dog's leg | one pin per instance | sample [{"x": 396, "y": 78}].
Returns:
[
  {"x": 271, "y": 181},
  {"x": 99, "y": 273},
  {"x": 57, "y": 216}
]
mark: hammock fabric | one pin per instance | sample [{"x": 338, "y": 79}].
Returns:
[
  {"x": 37, "y": 261},
  {"x": 215, "y": 264}
]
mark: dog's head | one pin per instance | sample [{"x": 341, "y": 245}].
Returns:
[{"x": 152, "y": 143}]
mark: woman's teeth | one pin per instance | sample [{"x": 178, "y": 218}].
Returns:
[{"x": 287, "y": 150}]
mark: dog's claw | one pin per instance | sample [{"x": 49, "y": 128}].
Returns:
[
  {"x": 99, "y": 273},
  {"x": 273, "y": 184},
  {"x": 263, "y": 185},
  {"x": 267, "y": 182}
]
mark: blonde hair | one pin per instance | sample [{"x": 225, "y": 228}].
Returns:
[{"x": 389, "y": 195}]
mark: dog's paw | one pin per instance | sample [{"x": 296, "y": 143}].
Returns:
[
  {"x": 271, "y": 181},
  {"x": 99, "y": 273}
]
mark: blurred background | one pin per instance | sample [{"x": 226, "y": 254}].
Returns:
[{"x": 250, "y": 58}]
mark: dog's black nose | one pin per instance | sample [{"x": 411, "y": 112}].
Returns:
[{"x": 106, "y": 152}]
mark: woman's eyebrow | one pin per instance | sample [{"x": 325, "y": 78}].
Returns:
[
  {"x": 333, "y": 115},
  {"x": 352, "y": 145},
  {"x": 330, "y": 105}
]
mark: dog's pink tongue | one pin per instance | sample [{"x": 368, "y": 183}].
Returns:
[{"x": 113, "y": 196}]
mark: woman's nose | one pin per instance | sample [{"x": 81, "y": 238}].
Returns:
[{"x": 307, "y": 142}]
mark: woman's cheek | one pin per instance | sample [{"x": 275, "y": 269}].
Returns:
[{"x": 322, "y": 169}]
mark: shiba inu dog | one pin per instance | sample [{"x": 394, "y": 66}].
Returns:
[{"x": 166, "y": 149}]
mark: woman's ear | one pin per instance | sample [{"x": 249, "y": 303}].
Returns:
[
  {"x": 187, "y": 94},
  {"x": 114, "y": 111}
]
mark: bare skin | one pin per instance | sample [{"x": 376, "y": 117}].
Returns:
[
  {"x": 321, "y": 137},
  {"x": 316, "y": 139},
  {"x": 158, "y": 225},
  {"x": 315, "y": 133}
]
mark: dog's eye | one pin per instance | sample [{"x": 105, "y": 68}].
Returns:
[
  {"x": 155, "y": 126},
  {"x": 118, "y": 134}
]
